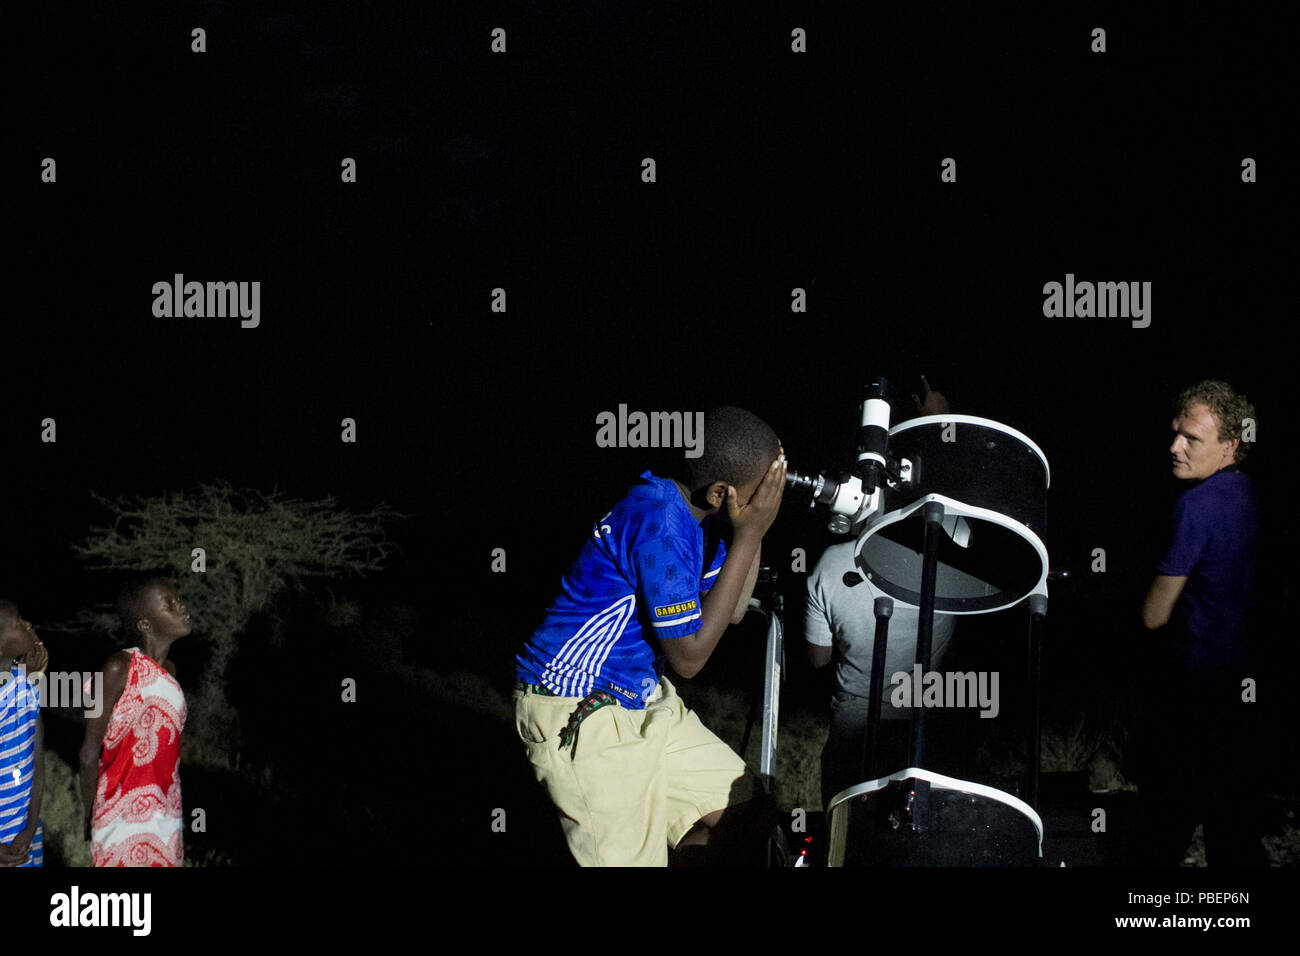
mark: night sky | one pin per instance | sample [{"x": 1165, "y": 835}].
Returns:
[{"x": 523, "y": 171}]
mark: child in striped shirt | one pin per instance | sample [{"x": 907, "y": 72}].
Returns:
[{"x": 22, "y": 745}]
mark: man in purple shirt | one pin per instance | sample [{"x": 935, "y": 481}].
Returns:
[{"x": 1200, "y": 604}]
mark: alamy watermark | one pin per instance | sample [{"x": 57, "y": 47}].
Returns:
[
  {"x": 651, "y": 430},
  {"x": 68, "y": 689},
  {"x": 946, "y": 689},
  {"x": 180, "y": 299},
  {"x": 1086, "y": 300},
  {"x": 75, "y": 908}
]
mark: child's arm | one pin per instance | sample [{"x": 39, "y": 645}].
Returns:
[
  {"x": 749, "y": 523},
  {"x": 23, "y": 841},
  {"x": 92, "y": 745},
  {"x": 748, "y": 592},
  {"x": 750, "y": 581},
  {"x": 15, "y": 853}
]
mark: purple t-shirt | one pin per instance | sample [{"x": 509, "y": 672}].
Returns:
[{"x": 1216, "y": 526}]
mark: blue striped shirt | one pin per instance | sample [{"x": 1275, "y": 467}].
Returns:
[{"x": 19, "y": 705}]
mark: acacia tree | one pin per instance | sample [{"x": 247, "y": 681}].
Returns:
[{"x": 256, "y": 545}]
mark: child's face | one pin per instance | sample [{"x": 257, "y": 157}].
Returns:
[
  {"x": 17, "y": 636},
  {"x": 167, "y": 613}
]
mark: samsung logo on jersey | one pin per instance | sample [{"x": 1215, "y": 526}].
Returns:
[
  {"x": 669, "y": 610},
  {"x": 651, "y": 430},
  {"x": 621, "y": 690}
]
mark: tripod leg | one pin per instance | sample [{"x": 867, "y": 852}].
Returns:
[
  {"x": 916, "y": 799},
  {"x": 884, "y": 609},
  {"x": 933, "y": 513},
  {"x": 1037, "y": 614}
]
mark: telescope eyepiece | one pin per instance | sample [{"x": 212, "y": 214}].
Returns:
[
  {"x": 794, "y": 479},
  {"x": 819, "y": 488}
]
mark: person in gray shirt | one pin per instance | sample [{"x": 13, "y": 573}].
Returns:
[
  {"x": 840, "y": 628},
  {"x": 840, "y": 625}
]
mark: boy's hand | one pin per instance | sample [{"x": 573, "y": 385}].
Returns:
[
  {"x": 35, "y": 660},
  {"x": 11, "y": 854},
  {"x": 756, "y": 515}
]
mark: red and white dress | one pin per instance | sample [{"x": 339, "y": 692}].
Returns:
[{"x": 137, "y": 818}]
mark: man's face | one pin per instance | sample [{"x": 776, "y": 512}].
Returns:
[{"x": 1197, "y": 452}]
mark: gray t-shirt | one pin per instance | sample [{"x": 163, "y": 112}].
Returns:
[{"x": 844, "y": 618}]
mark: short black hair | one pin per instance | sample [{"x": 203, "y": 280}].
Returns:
[
  {"x": 738, "y": 445},
  {"x": 130, "y": 602}
]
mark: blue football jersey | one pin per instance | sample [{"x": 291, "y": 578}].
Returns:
[{"x": 639, "y": 576}]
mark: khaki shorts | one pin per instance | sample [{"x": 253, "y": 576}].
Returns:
[{"x": 636, "y": 782}]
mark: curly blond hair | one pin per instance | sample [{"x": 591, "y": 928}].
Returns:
[{"x": 1230, "y": 410}]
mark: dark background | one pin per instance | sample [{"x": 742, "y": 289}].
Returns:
[{"x": 775, "y": 170}]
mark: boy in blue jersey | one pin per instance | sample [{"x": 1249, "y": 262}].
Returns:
[{"x": 631, "y": 770}]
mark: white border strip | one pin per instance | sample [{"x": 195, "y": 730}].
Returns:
[
  {"x": 972, "y": 420},
  {"x": 938, "y": 780},
  {"x": 951, "y": 507}
]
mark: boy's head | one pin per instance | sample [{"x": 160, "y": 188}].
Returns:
[
  {"x": 738, "y": 448},
  {"x": 16, "y": 635}
]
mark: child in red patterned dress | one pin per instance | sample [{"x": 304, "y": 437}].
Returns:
[{"x": 130, "y": 758}]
